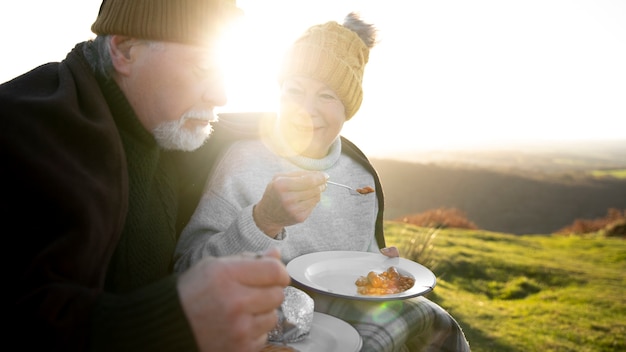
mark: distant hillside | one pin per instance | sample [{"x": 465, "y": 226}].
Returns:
[
  {"x": 539, "y": 157},
  {"x": 500, "y": 196}
]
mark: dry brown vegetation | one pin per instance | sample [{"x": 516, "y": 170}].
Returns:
[
  {"x": 613, "y": 225},
  {"x": 440, "y": 218}
]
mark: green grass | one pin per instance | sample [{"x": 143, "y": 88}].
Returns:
[{"x": 528, "y": 293}]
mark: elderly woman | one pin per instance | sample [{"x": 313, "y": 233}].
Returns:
[{"x": 272, "y": 191}]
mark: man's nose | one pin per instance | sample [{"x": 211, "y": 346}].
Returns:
[{"x": 215, "y": 92}]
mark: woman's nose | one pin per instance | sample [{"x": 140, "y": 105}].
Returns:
[{"x": 309, "y": 104}]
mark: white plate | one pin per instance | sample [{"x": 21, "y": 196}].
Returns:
[
  {"x": 329, "y": 334},
  {"x": 335, "y": 273}
]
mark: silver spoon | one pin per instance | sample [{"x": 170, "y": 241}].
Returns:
[{"x": 354, "y": 192}]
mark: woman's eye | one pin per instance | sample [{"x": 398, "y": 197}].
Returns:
[{"x": 328, "y": 97}]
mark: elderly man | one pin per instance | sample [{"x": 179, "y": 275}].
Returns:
[{"x": 100, "y": 155}]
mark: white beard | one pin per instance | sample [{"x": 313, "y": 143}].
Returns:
[{"x": 172, "y": 135}]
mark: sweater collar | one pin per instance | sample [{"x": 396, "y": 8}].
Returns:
[
  {"x": 282, "y": 148},
  {"x": 123, "y": 114}
]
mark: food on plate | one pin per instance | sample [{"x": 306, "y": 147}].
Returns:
[
  {"x": 365, "y": 190},
  {"x": 297, "y": 308},
  {"x": 388, "y": 282}
]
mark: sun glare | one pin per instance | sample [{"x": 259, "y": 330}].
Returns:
[
  {"x": 253, "y": 48},
  {"x": 444, "y": 74},
  {"x": 461, "y": 75},
  {"x": 249, "y": 61}
]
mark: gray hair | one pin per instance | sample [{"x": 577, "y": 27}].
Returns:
[{"x": 98, "y": 55}]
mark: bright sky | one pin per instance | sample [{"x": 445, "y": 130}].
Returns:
[{"x": 445, "y": 74}]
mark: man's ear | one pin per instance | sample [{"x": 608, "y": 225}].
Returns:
[{"x": 120, "y": 47}]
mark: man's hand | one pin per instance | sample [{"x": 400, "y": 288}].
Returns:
[
  {"x": 288, "y": 199},
  {"x": 231, "y": 302}
]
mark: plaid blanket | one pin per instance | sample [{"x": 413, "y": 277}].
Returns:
[{"x": 414, "y": 324}]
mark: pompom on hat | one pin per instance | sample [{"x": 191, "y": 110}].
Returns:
[
  {"x": 334, "y": 54},
  {"x": 181, "y": 21}
]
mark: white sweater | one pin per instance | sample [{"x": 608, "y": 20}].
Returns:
[{"x": 223, "y": 224}]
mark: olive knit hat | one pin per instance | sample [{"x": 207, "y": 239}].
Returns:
[
  {"x": 181, "y": 21},
  {"x": 334, "y": 54}
]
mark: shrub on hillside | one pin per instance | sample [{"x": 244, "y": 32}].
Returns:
[
  {"x": 440, "y": 218},
  {"x": 616, "y": 229},
  {"x": 613, "y": 224}
]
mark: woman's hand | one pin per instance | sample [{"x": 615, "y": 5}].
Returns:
[{"x": 288, "y": 199}]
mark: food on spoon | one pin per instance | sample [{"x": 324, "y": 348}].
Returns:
[
  {"x": 365, "y": 190},
  {"x": 385, "y": 283}
]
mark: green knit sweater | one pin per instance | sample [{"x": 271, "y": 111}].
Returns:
[
  {"x": 141, "y": 265},
  {"x": 144, "y": 252}
]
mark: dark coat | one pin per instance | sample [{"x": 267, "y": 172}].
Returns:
[{"x": 64, "y": 204}]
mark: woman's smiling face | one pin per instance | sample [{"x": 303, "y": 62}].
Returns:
[{"x": 311, "y": 116}]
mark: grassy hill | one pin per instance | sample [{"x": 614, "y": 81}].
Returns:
[{"x": 525, "y": 293}]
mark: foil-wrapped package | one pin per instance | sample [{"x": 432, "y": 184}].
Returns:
[{"x": 297, "y": 309}]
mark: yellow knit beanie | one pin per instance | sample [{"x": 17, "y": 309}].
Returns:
[
  {"x": 334, "y": 54},
  {"x": 181, "y": 21}
]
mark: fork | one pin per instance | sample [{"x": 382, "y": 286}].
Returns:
[
  {"x": 288, "y": 329},
  {"x": 352, "y": 190}
]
